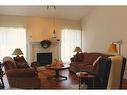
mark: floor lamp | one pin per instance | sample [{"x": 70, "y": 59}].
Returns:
[{"x": 113, "y": 47}]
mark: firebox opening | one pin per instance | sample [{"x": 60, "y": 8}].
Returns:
[{"x": 44, "y": 58}]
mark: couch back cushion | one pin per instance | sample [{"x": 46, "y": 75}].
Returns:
[{"x": 91, "y": 57}]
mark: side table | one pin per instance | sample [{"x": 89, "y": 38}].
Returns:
[{"x": 84, "y": 75}]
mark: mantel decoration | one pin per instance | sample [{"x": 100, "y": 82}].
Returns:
[{"x": 45, "y": 43}]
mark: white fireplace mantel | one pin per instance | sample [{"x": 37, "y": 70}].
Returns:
[{"x": 35, "y": 47}]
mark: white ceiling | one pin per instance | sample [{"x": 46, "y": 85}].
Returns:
[{"x": 64, "y": 12}]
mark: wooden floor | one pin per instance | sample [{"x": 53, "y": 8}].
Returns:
[
  {"x": 52, "y": 84},
  {"x": 124, "y": 84},
  {"x": 70, "y": 83}
]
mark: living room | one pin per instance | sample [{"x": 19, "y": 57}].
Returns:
[{"x": 99, "y": 26}]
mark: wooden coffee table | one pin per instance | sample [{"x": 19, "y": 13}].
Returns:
[{"x": 57, "y": 75}]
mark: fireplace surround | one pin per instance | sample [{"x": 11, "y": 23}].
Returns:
[{"x": 35, "y": 48}]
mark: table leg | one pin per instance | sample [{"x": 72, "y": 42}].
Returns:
[
  {"x": 60, "y": 76},
  {"x": 57, "y": 73},
  {"x": 79, "y": 82},
  {"x": 93, "y": 82},
  {"x": 57, "y": 76}
]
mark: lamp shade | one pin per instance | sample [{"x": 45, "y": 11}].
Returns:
[
  {"x": 77, "y": 49},
  {"x": 112, "y": 48},
  {"x": 17, "y": 51}
]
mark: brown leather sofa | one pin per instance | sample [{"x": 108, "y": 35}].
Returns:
[
  {"x": 87, "y": 61},
  {"x": 21, "y": 76}
]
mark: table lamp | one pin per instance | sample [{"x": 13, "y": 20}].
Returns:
[
  {"x": 17, "y": 52},
  {"x": 77, "y": 49},
  {"x": 113, "y": 47}
]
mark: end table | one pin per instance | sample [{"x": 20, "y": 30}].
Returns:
[{"x": 84, "y": 75}]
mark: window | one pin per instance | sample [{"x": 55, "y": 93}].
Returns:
[
  {"x": 11, "y": 38},
  {"x": 69, "y": 40}
]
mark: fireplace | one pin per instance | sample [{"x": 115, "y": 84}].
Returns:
[
  {"x": 44, "y": 58},
  {"x": 37, "y": 53}
]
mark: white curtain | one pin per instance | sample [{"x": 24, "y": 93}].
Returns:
[
  {"x": 69, "y": 40},
  {"x": 11, "y": 38}
]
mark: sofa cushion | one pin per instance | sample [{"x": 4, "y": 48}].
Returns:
[{"x": 90, "y": 57}]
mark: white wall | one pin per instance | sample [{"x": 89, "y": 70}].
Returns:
[
  {"x": 102, "y": 26},
  {"x": 12, "y": 21},
  {"x": 38, "y": 28}
]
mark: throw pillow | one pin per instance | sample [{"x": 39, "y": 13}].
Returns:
[
  {"x": 78, "y": 57},
  {"x": 20, "y": 59}
]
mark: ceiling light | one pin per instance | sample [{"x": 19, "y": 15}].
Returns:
[{"x": 51, "y": 7}]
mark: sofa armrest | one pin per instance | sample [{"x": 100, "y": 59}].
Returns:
[{"x": 27, "y": 72}]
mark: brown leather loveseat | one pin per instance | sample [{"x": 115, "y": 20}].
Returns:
[{"x": 86, "y": 60}]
